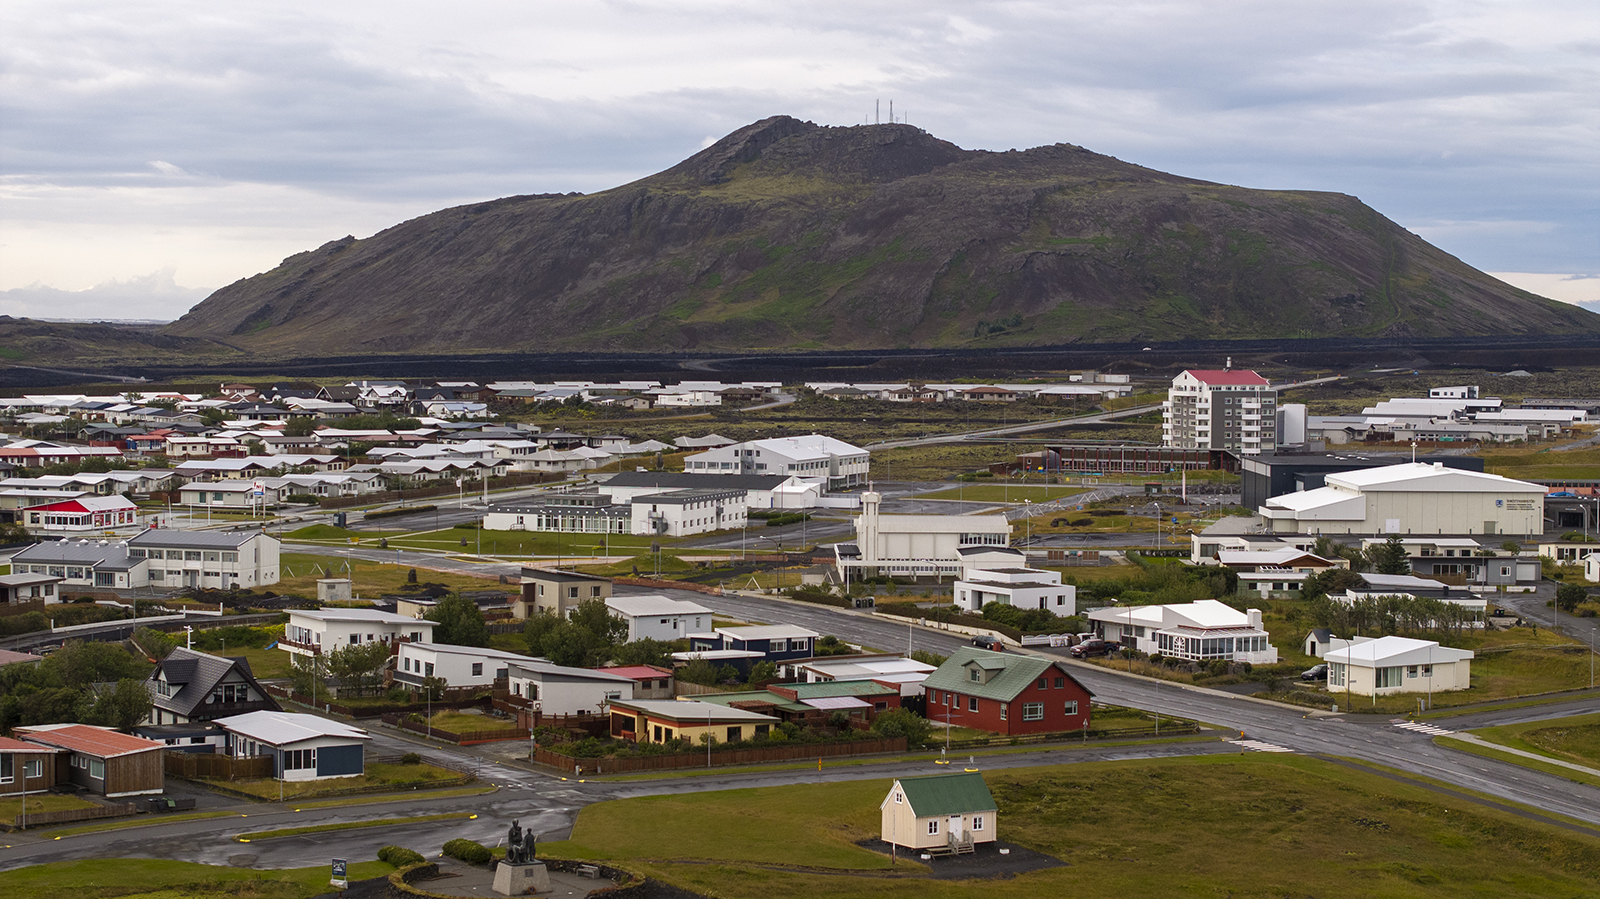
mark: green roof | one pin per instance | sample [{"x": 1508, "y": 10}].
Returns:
[
  {"x": 1009, "y": 673},
  {"x": 728, "y": 699},
  {"x": 947, "y": 794},
  {"x": 838, "y": 688}
]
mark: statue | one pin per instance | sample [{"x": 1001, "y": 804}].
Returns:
[
  {"x": 514, "y": 844},
  {"x": 530, "y": 847}
]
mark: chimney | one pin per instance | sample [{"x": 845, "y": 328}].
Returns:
[
  {"x": 1255, "y": 618},
  {"x": 1228, "y": 365}
]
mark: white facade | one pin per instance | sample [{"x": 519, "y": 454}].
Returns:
[
  {"x": 1591, "y": 567},
  {"x": 917, "y": 545},
  {"x": 559, "y": 690},
  {"x": 1231, "y": 410},
  {"x": 214, "y": 559},
  {"x": 1025, "y": 588},
  {"x": 460, "y": 666},
  {"x": 683, "y": 513},
  {"x": 1412, "y": 498},
  {"x": 231, "y": 494},
  {"x": 1398, "y": 665},
  {"x": 1197, "y": 631},
  {"x": 656, "y": 617},
  {"x": 313, "y": 631},
  {"x": 811, "y": 456}
]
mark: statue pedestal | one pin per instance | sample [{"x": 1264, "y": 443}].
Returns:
[{"x": 520, "y": 880}]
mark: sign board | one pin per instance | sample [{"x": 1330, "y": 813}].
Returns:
[
  {"x": 259, "y": 488},
  {"x": 339, "y": 880}
]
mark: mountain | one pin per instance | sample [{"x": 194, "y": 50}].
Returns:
[{"x": 787, "y": 234}]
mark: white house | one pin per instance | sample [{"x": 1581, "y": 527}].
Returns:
[
  {"x": 683, "y": 513},
  {"x": 917, "y": 545},
  {"x": 908, "y": 674},
  {"x": 460, "y": 666},
  {"x": 940, "y": 813},
  {"x": 1197, "y": 631},
  {"x": 313, "y": 631},
  {"x": 559, "y": 690},
  {"x": 215, "y": 559},
  {"x": 303, "y": 747},
  {"x": 809, "y": 456},
  {"x": 1321, "y": 641},
  {"x": 1398, "y": 665},
  {"x": 656, "y": 617},
  {"x": 1025, "y": 588},
  {"x": 232, "y": 493},
  {"x": 761, "y": 491},
  {"x": 1412, "y": 498},
  {"x": 1591, "y": 567}
]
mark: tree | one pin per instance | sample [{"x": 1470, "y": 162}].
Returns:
[
  {"x": 642, "y": 652},
  {"x": 154, "y": 642},
  {"x": 358, "y": 666},
  {"x": 699, "y": 672},
  {"x": 460, "y": 622},
  {"x": 903, "y": 723},
  {"x": 763, "y": 671},
  {"x": 80, "y": 663},
  {"x": 595, "y": 616},
  {"x": 308, "y": 675},
  {"x": 1333, "y": 580},
  {"x": 123, "y": 706},
  {"x": 302, "y": 426},
  {"x": 1390, "y": 557},
  {"x": 1568, "y": 596}
]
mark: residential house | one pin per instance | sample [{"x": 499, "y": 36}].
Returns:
[
  {"x": 649, "y": 682},
  {"x": 1320, "y": 641},
  {"x": 775, "y": 642},
  {"x": 26, "y": 767},
  {"x": 815, "y": 705},
  {"x": 232, "y": 494},
  {"x": 660, "y": 721},
  {"x": 1226, "y": 410},
  {"x": 314, "y": 631},
  {"x": 1006, "y": 693},
  {"x": 1196, "y": 631},
  {"x": 189, "y": 686},
  {"x": 989, "y": 394},
  {"x": 1024, "y": 588},
  {"x": 1398, "y": 665},
  {"x": 216, "y": 559},
  {"x": 100, "y": 760},
  {"x": 29, "y": 587},
  {"x": 553, "y": 689},
  {"x": 565, "y": 513},
  {"x": 656, "y": 617},
  {"x": 907, "y": 674},
  {"x": 939, "y": 813},
  {"x": 82, "y": 563},
  {"x": 460, "y": 666},
  {"x": 811, "y": 456},
  {"x": 557, "y": 592},
  {"x": 302, "y": 747}
]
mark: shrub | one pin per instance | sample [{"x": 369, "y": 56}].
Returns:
[
  {"x": 903, "y": 723},
  {"x": 399, "y": 856},
  {"x": 468, "y": 851},
  {"x": 411, "y": 758},
  {"x": 402, "y": 510},
  {"x": 306, "y": 499}
]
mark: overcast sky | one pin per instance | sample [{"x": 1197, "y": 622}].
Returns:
[{"x": 153, "y": 151}]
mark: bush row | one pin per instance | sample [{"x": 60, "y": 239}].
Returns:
[
  {"x": 399, "y": 856},
  {"x": 468, "y": 851},
  {"x": 403, "y": 510}
]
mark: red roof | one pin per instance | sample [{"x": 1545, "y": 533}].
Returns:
[
  {"x": 9, "y": 745},
  {"x": 637, "y": 672},
  {"x": 88, "y": 740},
  {"x": 1229, "y": 378}
]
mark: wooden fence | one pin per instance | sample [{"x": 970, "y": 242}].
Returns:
[
  {"x": 217, "y": 767},
  {"x": 719, "y": 757},
  {"x": 41, "y": 819}
]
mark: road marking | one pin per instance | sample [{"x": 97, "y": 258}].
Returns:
[
  {"x": 1429, "y": 729},
  {"x": 1259, "y": 746}
]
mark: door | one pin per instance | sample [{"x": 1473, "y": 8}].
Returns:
[{"x": 956, "y": 831}]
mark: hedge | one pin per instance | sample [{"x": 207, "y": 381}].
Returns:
[
  {"x": 468, "y": 851},
  {"x": 399, "y": 856},
  {"x": 403, "y": 510}
]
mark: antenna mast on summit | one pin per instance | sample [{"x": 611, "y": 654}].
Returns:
[
  {"x": 877, "y": 105},
  {"x": 891, "y": 112}
]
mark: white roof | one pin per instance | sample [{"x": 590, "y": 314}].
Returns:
[
  {"x": 1207, "y": 614},
  {"x": 283, "y": 728},
  {"x": 691, "y": 709},
  {"x": 1433, "y": 478},
  {"x": 1391, "y": 651},
  {"x": 944, "y": 524},
  {"x": 653, "y": 605},
  {"x": 371, "y": 615},
  {"x": 477, "y": 652},
  {"x": 1323, "y": 503},
  {"x": 767, "y": 632},
  {"x": 860, "y": 669},
  {"x": 1264, "y": 557},
  {"x": 1377, "y": 581},
  {"x": 542, "y": 668}
]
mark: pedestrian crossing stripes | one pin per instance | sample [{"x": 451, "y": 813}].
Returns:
[
  {"x": 1429, "y": 729},
  {"x": 1259, "y": 746}
]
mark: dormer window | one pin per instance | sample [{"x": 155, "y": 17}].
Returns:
[{"x": 975, "y": 675}]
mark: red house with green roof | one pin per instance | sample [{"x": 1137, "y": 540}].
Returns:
[{"x": 1006, "y": 693}]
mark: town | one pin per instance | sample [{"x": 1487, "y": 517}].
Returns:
[{"x": 397, "y": 615}]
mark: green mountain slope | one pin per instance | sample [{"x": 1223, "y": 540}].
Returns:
[{"x": 786, "y": 234}]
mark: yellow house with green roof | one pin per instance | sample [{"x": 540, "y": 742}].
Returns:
[{"x": 941, "y": 814}]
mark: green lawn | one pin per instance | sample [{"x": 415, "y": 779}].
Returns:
[
  {"x": 1251, "y": 825},
  {"x": 11, "y": 806},
  {"x": 463, "y": 723},
  {"x": 252, "y": 836},
  {"x": 996, "y": 493},
  {"x": 400, "y": 777},
  {"x": 149, "y": 878},
  {"x": 1574, "y": 739},
  {"x": 300, "y": 571}
]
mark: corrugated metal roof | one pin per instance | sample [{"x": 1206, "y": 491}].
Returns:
[
  {"x": 947, "y": 794},
  {"x": 87, "y": 739},
  {"x": 837, "y": 702},
  {"x": 283, "y": 728},
  {"x": 1016, "y": 673}
]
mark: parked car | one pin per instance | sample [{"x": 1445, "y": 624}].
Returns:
[
  {"x": 1315, "y": 672},
  {"x": 1090, "y": 648},
  {"x": 990, "y": 643}
]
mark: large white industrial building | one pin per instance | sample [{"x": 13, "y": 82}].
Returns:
[
  {"x": 809, "y": 456},
  {"x": 1410, "y": 498},
  {"x": 929, "y": 546}
]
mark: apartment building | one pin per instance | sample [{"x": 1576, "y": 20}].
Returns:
[{"x": 1226, "y": 410}]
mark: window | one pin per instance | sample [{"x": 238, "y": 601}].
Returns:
[
  {"x": 1070, "y": 707},
  {"x": 299, "y": 759},
  {"x": 477, "y": 669},
  {"x": 1060, "y": 682},
  {"x": 135, "y": 553},
  {"x": 977, "y": 822},
  {"x": 1003, "y": 710},
  {"x": 974, "y": 674},
  {"x": 7, "y": 769},
  {"x": 1387, "y": 677},
  {"x": 972, "y": 703},
  {"x": 1427, "y": 671},
  {"x": 188, "y": 556},
  {"x": 33, "y": 768},
  {"x": 1033, "y": 711},
  {"x": 427, "y": 669},
  {"x": 1411, "y": 671},
  {"x": 230, "y": 557},
  {"x": 898, "y": 798},
  {"x": 1044, "y": 683},
  {"x": 211, "y": 557},
  {"x": 97, "y": 769},
  {"x": 933, "y": 826}
]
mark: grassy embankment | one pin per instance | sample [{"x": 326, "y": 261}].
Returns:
[
  {"x": 1575, "y": 739},
  {"x": 399, "y": 777},
  {"x": 1291, "y": 826},
  {"x": 155, "y": 878}
]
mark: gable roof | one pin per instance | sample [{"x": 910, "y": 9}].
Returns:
[
  {"x": 283, "y": 728},
  {"x": 1217, "y": 377},
  {"x": 87, "y": 739},
  {"x": 1013, "y": 674},
  {"x": 947, "y": 794},
  {"x": 198, "y": 673},
  {"x": 1392, "y": 650}
]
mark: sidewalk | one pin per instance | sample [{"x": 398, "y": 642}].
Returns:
[{"x": 1479, "y": 741}]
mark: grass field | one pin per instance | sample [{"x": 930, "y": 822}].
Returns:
[
  {"x": 1574, "y": 739},
  {"x": 377, "y": 775},
  {"x": 463, "y": 723},
  {"x": 1241, "y": 826},
  {"x": 148, "y": 878},
  {"x": 996, "y": 493},
  {"x": 44, "y": 802},
  {"x": 299, "y": 573}
]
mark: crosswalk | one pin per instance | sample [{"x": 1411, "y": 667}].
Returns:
[
  {"x": 1260, "y": 746},
  {"x": 1429, "y": 729}
]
